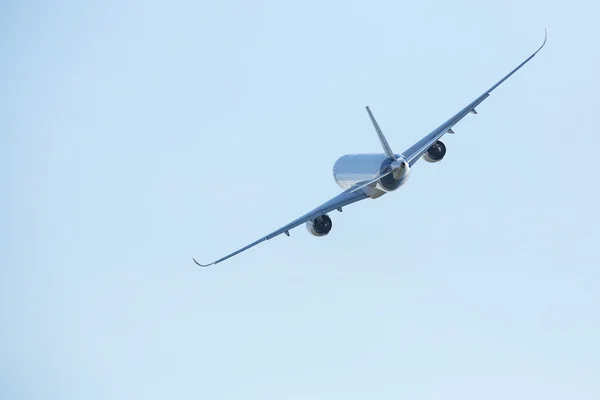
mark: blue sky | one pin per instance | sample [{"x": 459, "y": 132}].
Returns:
[{"x": 137, "y": 135}]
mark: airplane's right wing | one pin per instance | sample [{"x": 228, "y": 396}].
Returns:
[{"x": 418, "y": 149}]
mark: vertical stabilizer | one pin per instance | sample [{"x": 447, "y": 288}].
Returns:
[{"x": 386, "y": 147}]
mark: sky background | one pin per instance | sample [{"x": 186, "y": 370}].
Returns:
[{"x": 136, "y": 135}]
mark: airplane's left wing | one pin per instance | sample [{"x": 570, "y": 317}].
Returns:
[{"x": 339, "y": 201}]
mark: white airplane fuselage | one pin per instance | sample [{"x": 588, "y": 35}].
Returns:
[{"x": 352, "y": 169}]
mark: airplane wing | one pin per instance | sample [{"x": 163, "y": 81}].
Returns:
[
  {"x": 339, "y": 201},
  {"x": 413, "y": 154}
]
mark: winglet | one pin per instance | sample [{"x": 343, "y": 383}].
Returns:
[
  {"x": 544, "y": 43},
  {"x": 386, "y": 147},
  {"x": 202, "y": 265},
  {"x": 545, "y": 37}
]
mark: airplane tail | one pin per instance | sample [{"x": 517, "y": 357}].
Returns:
[{"x": 386, "y": 147}]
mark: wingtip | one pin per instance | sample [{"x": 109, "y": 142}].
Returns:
[
  {"x": 544, "y": 43},
  {"x": 202, "y": 265},
  {"x": 545, "y": 36}
]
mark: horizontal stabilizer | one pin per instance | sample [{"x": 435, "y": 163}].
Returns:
[{"x": 372, "y": 181}]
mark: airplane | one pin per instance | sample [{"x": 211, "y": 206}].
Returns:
[{"x": 365, "y": 176}]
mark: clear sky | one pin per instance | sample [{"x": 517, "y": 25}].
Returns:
[{"x": 137, "y": 135}]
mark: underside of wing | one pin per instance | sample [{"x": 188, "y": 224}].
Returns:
[
  {"x": 320, "y": 223},
  {"x": 413, "y": 153}
]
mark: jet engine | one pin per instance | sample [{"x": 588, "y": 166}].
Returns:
[
  {"x": 319, "y": 226},
  {"x": 435, "y": 153}
]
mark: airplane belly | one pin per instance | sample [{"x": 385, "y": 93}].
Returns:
[{"x": 351, "y": 169}]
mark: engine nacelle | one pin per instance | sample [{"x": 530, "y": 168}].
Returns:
[
  {"x": 319, "y": 226},
  {"x": 435, "y": 153}
]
